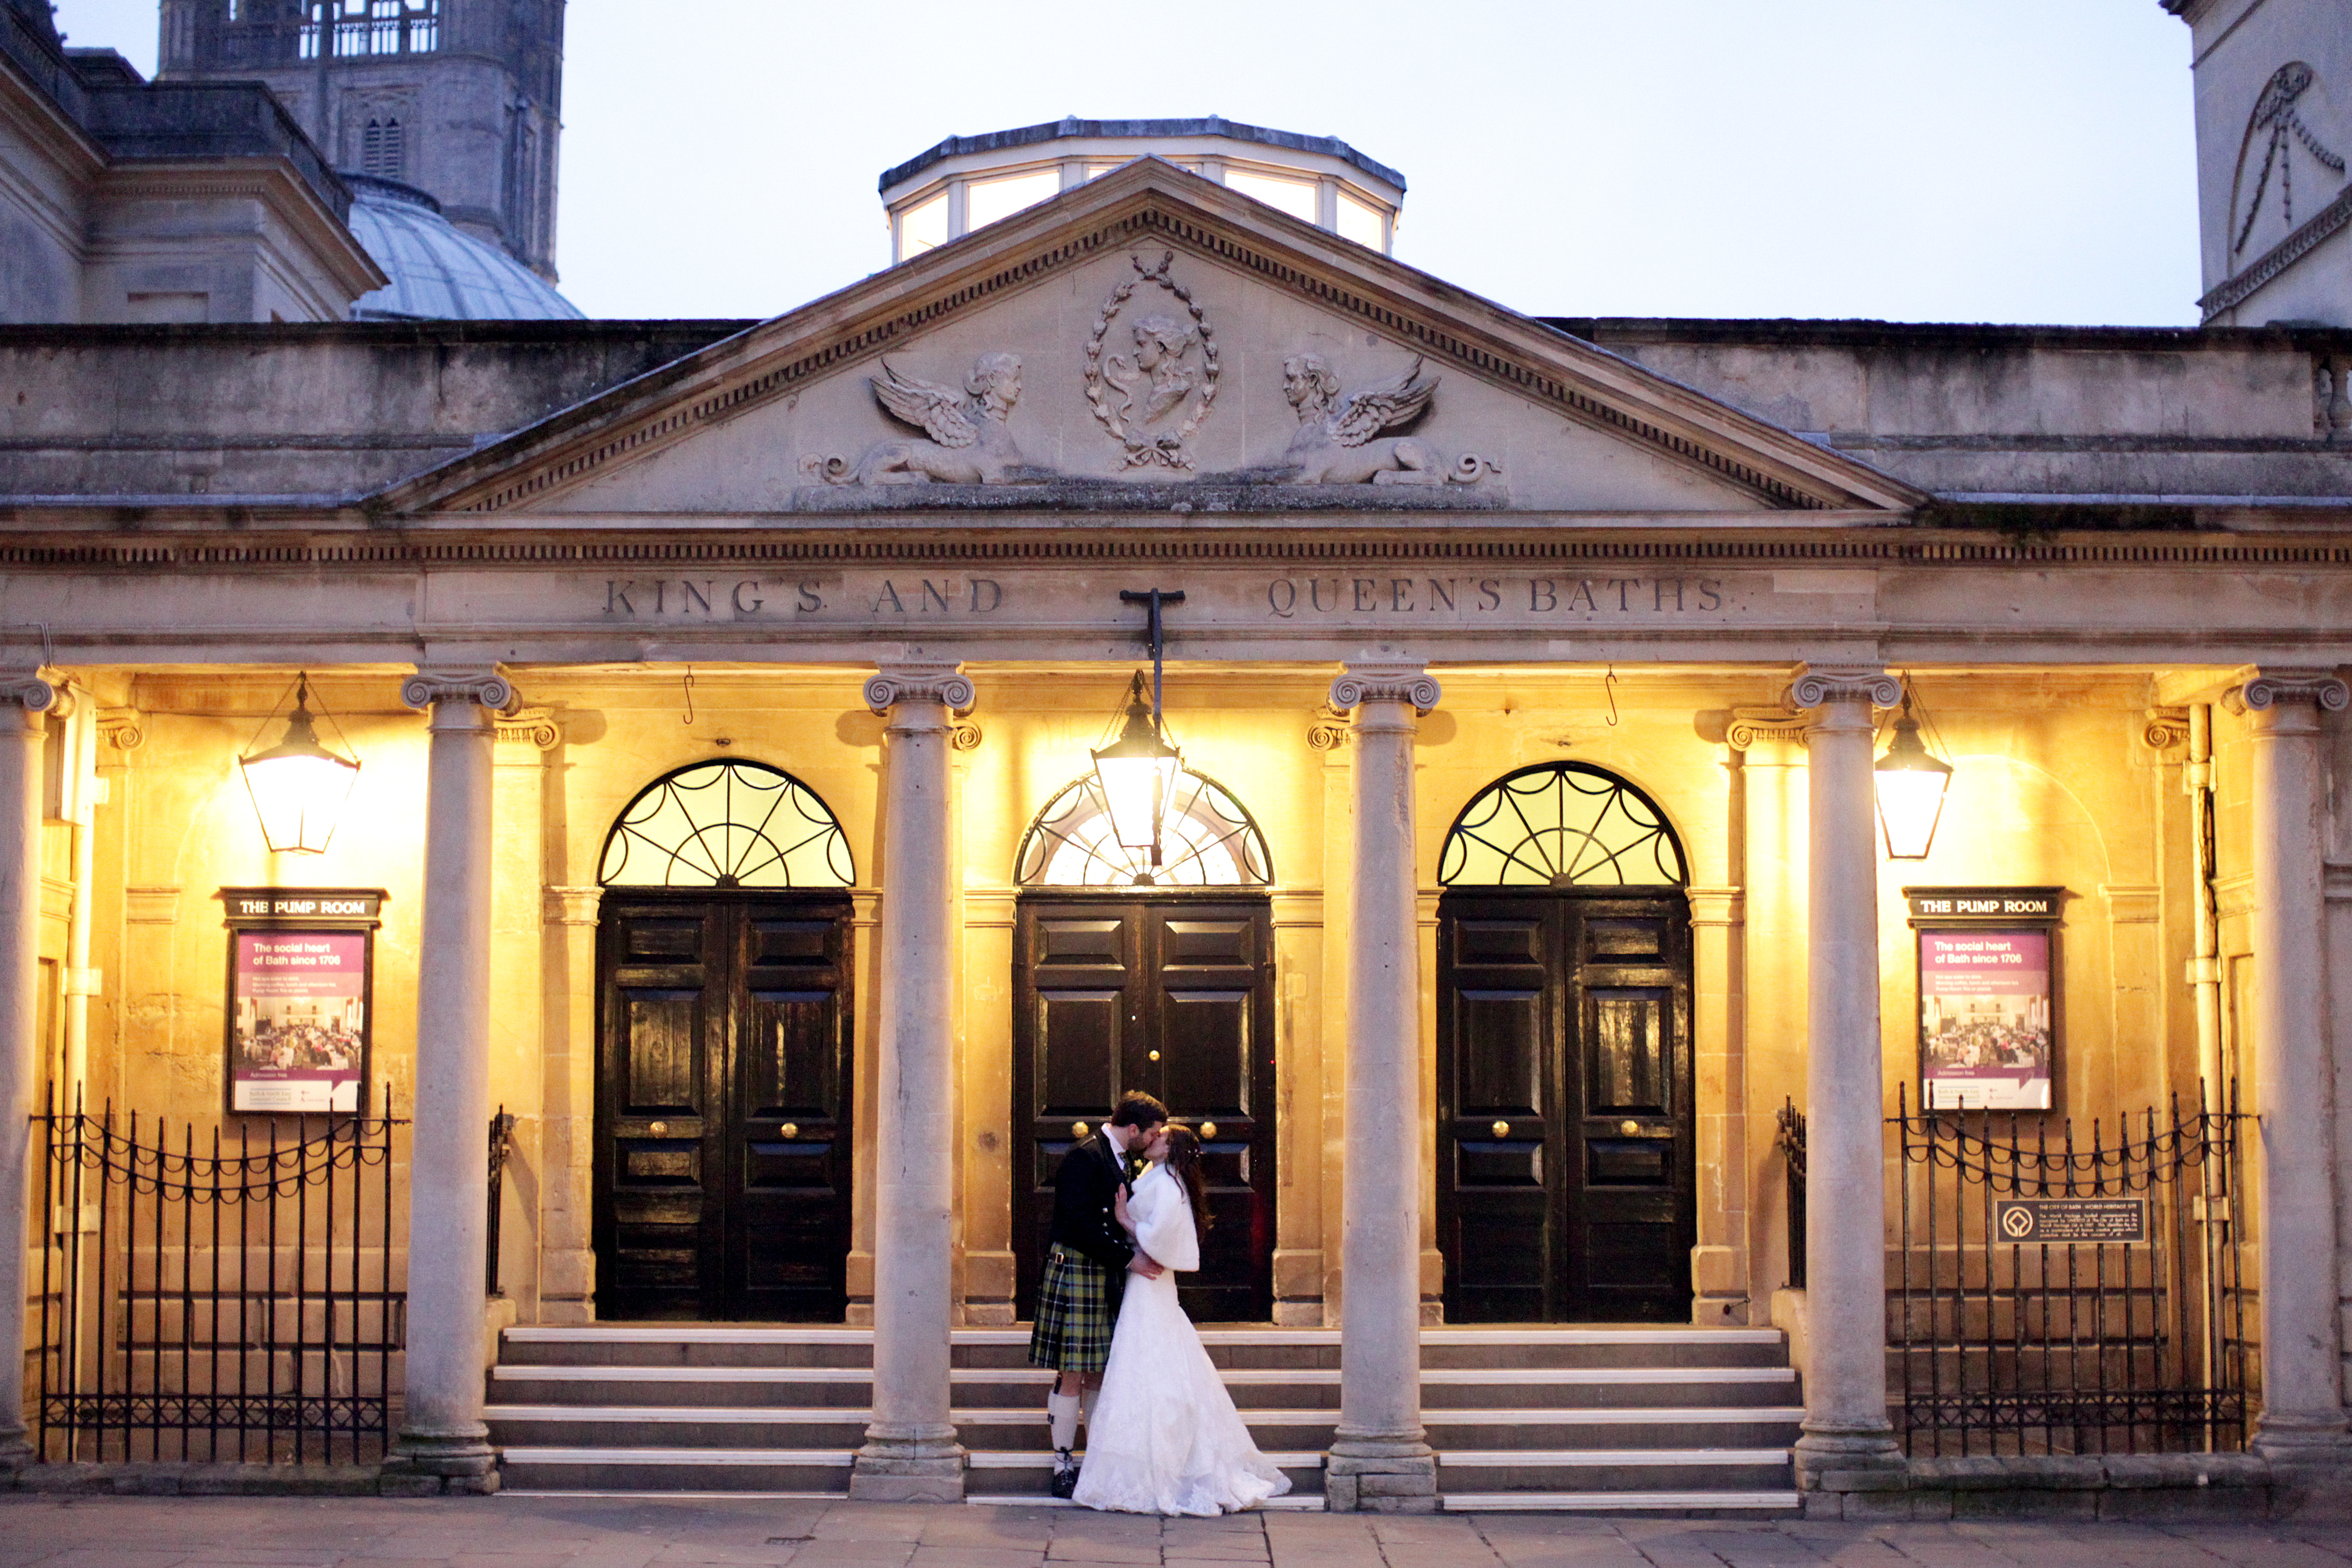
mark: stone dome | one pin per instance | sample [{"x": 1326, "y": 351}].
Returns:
[{"x": 438, "y": 272}]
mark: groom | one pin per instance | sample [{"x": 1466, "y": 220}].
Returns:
[{"x": 1085, "y": 1269}]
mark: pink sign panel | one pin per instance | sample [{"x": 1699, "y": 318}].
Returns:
[
  {"x": 1984, "y": 1020},
  {"x": 297, "y": 1026}
]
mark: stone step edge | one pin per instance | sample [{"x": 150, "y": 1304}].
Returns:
[
  {"x": 1567, "y": 1458},
  {"x": 807, "y": 1458},
  {"x": 1618, "y": 1502},
  {"x": 1450, "y": 1377},
  {"x": 1298, "y": 1502},
  {"x": 1534, "y": 1335},
  {"x": 1280, "y": 1416}
]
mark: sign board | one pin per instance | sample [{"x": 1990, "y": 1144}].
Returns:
[
  {"x": 2031, "y": 1222},
  {"x": 300, "y": 977},
  {"x": 1987, "y": 1024}
]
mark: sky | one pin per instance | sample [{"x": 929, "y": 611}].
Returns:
[{"x": 1908, "y": 160}]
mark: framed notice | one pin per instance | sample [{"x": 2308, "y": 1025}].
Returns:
[
  {"x": 300, "y": 984},
  {"x": 1988, "y": 1020}
]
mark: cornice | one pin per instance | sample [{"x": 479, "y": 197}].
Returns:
[
  {"x": 1162, "y": 206},
  {"x": 273, "y": 182},
  {"x": 1474, "y": 541},
  {"x": 2237, "y": 290}
]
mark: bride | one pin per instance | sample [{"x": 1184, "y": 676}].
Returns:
[{"x": 1163, "y": 1436}]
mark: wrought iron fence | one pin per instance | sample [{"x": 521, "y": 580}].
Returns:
[
  {"x": 2061, "y": 1295},
  {"x": 501, "y": 1145},
  {"x": 217, "y": 1298},
  {"x": 1790, "y": 1142}
]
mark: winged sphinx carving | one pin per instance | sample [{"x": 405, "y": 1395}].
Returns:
[
  {"x": 1345, "y": 440},
  {"x": 968, "y": 445}
]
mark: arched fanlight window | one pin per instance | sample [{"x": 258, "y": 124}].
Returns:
[
  {"x": 1207, "y": 840},
  {"x": 725, "y": 824},
  {"x": 1561, "y": 825}
]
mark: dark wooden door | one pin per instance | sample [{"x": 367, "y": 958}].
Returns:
[
  {"x": 1172, "y": 995},
  {"x": 1565, "y": 1186},
  {"x": 723, "y": 1106}
]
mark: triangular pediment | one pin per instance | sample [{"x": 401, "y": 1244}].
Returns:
[{"x": 1149, "y": 340}]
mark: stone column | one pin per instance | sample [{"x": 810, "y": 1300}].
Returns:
[
  {"x": 911, "y": 1454},
  {"x": 1845, "y": 1425},
  {"x": 2303, "y": 1396},
  {"x": 443, "y": 1444},
  {"x": 23, "y": 699},
  {"x": 1380, "y": 1460}
]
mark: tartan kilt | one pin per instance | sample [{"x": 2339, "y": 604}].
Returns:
[{"x": 1074, "y": 1317}]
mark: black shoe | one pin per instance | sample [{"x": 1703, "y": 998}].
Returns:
[{"x": 1065, "y": 1473}]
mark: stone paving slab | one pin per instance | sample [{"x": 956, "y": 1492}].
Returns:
[{"x": 104, "y": 1531}]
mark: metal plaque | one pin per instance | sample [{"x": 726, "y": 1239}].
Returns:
[{"x": 2029, "y": 1222}]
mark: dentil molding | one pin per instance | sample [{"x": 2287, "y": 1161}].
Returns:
[
  {"x": 929, "y": 680},
  {"x": 1365, "y": 683}
]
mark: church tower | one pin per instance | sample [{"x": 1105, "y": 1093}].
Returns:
[
  {"x": 2273, "y": 85},
  {"x": 458, "y": 97}
]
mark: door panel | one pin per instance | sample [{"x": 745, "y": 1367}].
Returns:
[
  {"x": 722, "y": 1143},
  {"x": 1566, "y": 1187},
  {"x": 1187, "y": 1015}
]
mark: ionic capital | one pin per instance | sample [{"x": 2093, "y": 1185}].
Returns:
[
  {"x": 533, "y": 727},
  {"x": 1756, "y": 726},
  {"x": 1823, "y": 683},
  {"x": 32, "y": 691},
  {"x": 1362, "y": 683},
  {"x": 919, "y": 680},
  {"x": 2269, "y": 688},
  {"x": 2164, "y": 728},
  {"x": 484, "y": 685},
  {"x": 1328, "y": 730},
  {"x": 124, "y": 728}
]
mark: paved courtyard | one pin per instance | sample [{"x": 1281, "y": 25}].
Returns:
[{"x": 610, "y": 1532}]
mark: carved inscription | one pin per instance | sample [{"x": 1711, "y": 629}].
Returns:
[
  {"x": 1289, "y": 598},
  {"x": 763, "y": 598}
]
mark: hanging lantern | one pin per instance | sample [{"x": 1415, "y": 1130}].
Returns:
[
  {"x": 1911, "y": 785},
  {"x": 1138, "y": 774},
  {"x": 298, "y": 785}
]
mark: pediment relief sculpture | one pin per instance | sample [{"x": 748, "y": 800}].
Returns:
[
  {"x": 1345, "y": 439},
  {"x": 1153, "y": 400},
  {"x": 968, "y": 445}
]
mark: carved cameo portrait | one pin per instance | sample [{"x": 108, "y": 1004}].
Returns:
[{"x": 1151, "y": 374}]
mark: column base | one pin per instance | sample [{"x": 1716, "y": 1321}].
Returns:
[
  {"x": 1826, "y": 1449},
  {"x": 1364, "y": 1475},
  {"x": 908, "y": 1469},
  {"x": 426, "y": 1464},
  {"x": 2300, "y": 1437}
]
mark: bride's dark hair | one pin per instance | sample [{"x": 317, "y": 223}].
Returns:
[{"x": 1184, "y": 1164}]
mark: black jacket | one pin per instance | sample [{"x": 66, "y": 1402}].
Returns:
[{"x": 1085, "y": 1187}]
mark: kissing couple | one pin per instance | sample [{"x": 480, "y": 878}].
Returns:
[{"x": 1162, "y": 1435}]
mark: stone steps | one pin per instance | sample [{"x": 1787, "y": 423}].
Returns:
[{"x": 1638, "y": 1419}]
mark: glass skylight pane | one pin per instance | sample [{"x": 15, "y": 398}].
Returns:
[
  {"x": 988, "y": 200},
  {"x": 1296, "y": 197}
]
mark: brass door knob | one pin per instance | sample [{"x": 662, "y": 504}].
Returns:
[
  {"x": 659, "y": 1128},
  {"x": 1208, "y": 1129},
  {"x": 1077, "y": 1129},
  {"x": 1502, "y": 1130},
  {"x": 1155, "y": 1056},
  {"x": 790, "y": 1130},
  {"x": 1629, "y": 1128}
]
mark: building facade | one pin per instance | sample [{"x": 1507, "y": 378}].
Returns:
[{"x": 1522, "y": 917}]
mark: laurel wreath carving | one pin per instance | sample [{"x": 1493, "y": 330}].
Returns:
[{"x": 1143, "y": 451}]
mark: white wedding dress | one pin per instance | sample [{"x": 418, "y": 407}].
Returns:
[{"x": 1163, "y": 1436}]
